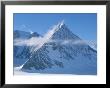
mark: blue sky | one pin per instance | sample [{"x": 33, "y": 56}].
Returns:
[{"x": 82, "y": 24}]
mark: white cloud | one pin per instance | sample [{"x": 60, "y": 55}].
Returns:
[{"x": 34, "y": 41}]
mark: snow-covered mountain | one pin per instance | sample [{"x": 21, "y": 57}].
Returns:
[
  {"x": 61, "y": 51},
  {"x": 18, "y": 34},
  {"x": 21, "y": 50}
]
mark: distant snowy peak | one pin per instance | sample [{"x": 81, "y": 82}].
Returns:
[
  {"x": 61, "y": 32},
  {"x": 21, "y": 34},
  {"x": 24, "y": 35},
  {"x": 34, "y": 34}
]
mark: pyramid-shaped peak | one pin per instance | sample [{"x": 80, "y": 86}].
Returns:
[
  {"x": 61, "y": 23},
  {"x": 61, "y": 31}
]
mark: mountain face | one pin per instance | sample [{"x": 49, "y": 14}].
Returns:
[
  {"x": 22, "y": 52},
  {"x": 18, "y": 34},
  {"x": 61, "y": 32},
  {"x": 21, "y": 34},
  {"x": 62, "y": 52}
]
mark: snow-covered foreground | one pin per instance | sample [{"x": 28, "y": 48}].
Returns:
[
  {"x": 75, "y": 67},
  {"x": 17, "y": 71}
]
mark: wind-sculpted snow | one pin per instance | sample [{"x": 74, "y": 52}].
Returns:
[{"x": 58, "y": 51}]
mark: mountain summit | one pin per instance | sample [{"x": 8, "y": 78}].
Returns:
[
  {"x": 63, "y": 33},
  {"x": 61, "y": 52}
]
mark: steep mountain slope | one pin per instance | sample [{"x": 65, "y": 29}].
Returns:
[
  {"x": 62, "y": 52},
  {"x": 21, "y": 50}
]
